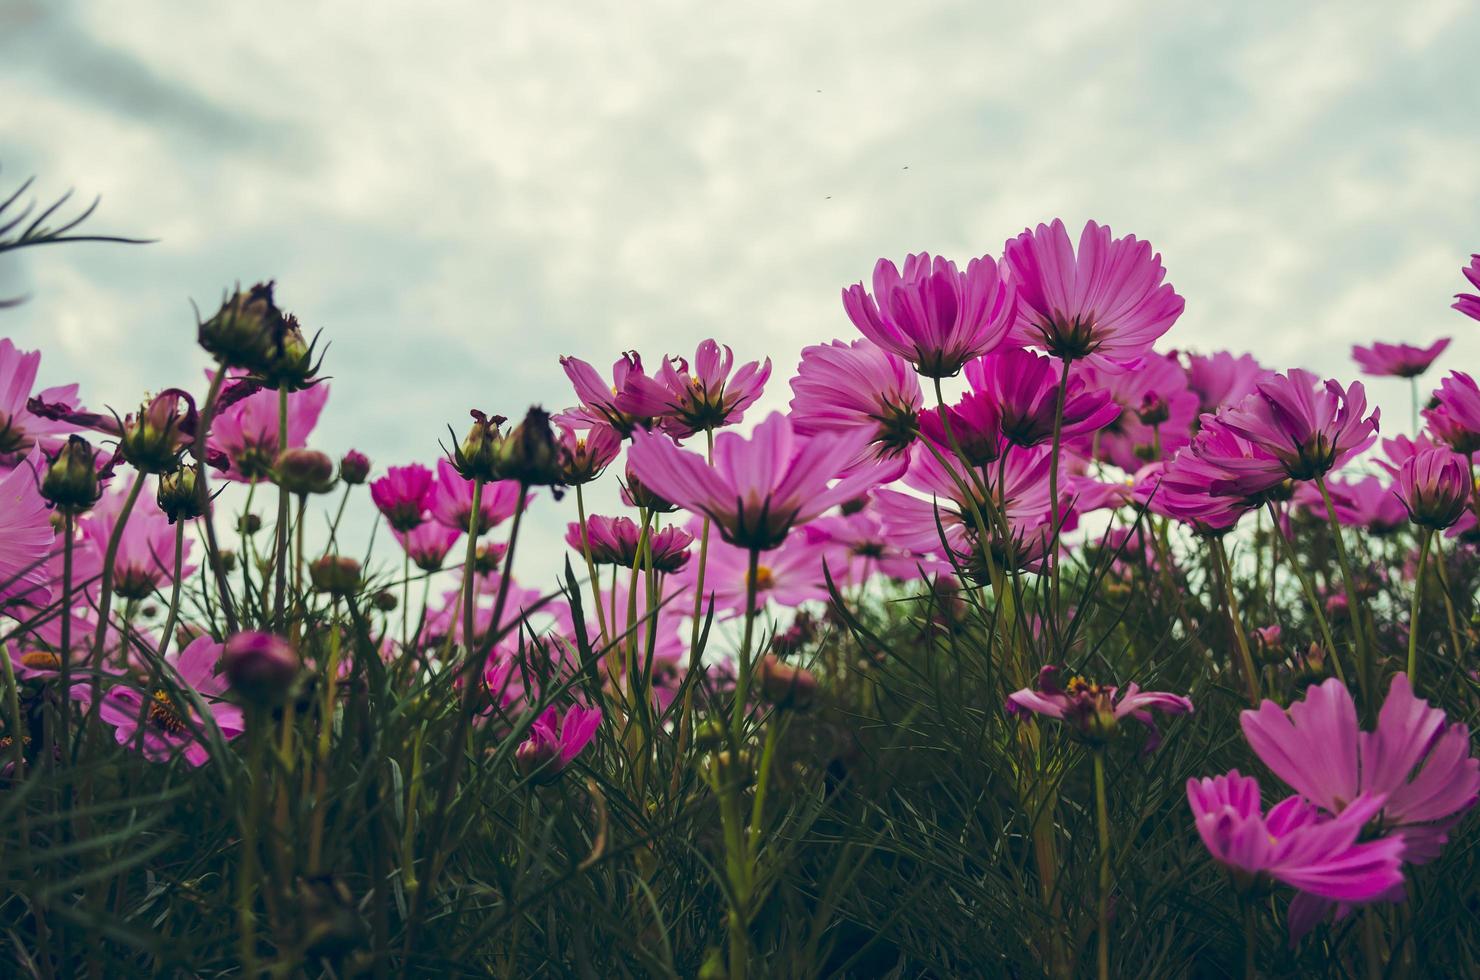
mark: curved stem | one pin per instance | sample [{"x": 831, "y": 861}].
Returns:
[{"x": 1423, "y": 555}]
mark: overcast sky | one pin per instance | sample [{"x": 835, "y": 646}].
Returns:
[{"x": 458, "y": 193}]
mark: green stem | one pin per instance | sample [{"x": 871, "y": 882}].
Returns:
[
  {"x": 247, "y": 874},
  {"x": 64, "y": 733},
  {"x": 203, "y": 495},
  {"x": 1053, "y": 492},
  {"x": 1423, "y": 555},
  {"x": 1246, "y": 659},
  {"x": 1102, "y": 816},
  {"x": 105, "y": 586},
  {"x": 1250, "y": 941},
  {"x": 1310, "y": 593},
  {"x": 742, "y": 674},
  {"x": 591, "y": 564},
  {"x": 280, "y": 561},
  {"x": 1365, "y": 677}
]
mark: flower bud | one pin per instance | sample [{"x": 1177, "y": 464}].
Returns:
[
  {"x": 385, "y": 600},
  {"x": 304, "y": 471},
  {"x": 709, "y": 734},
  {"x": 153, "y": 440},
  {"x": 1434, "y": 486},
  {"x": 241, "y": 333},
  {"x": 531, "y": 454},
  {"x": 476, "y": 458},
  {"x": 71, "y": 483},
  {"x": 249, "y": 524},
  {"x": 261, "y": 667},
  {"x": 291, "y": 364},
  {"x": 637, "y": 495},
  {"x": 335, "y": 574},
  {"x": 539, "y": 759},
  {"x": 786, "y": 686},
  {"x": 177, "y": 495},
  {"x": 354, "y": 467}
]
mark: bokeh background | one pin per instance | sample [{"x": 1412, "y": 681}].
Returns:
[{"x": 458, "y": 193}]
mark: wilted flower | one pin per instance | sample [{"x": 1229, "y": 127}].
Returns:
[
  {"x": 402, "y": 495},
  {"x": 1094, "y": 710},
  {"x": 707, "y": 397},
  {"x": 1434, "y": 486},
  {"x": 1397, "y": 360},
  {"x": 1108, "y": 300},
  {"x": 153, "y": 440},
  {"x": 632, "y": 400},
  {"x": 934, "y": 316},
  {"x": 758, "y": 488},
  {"x": 530, "y": 454},
  {"x": 477, "y": 457},
  {"x": 243, "y": 333}
]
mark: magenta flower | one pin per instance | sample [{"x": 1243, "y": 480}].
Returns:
[
  {"x": 613, "y": 541},
  {"x": 403, "y": 496},
  {"x": 1157, "y": 411},
  {"x": 1415, "y": 767},
  {"x": 146, "y": 548},
  {"x": 451, "y": 500},
  {"x": 586, "y": 452},
  {"x": 975, "y": 428},
  {"x": 171, "y": 721},
  {"x": 555, "y": 740},
  {"x": 1025, "y": 385},
  {"x": 866, "y": 548},
  {"x": 787, "y": 576},
  {"x": 1400, "y": 448},
  {"x": 26, "y": 535},
  {"x": 1367, "y": 502},
  {"x": 846, "y": 388},
  {"x": 1311, "y": 427},
  {"x": 1094, "y": 711},
  {"x": 1107, "y": 301},
  {"x": 1397, "y": 360},
  {"x": 20, "y": 429},
  {"x": 1455, "y": 418},
  {"x": 1469, "y": 303},
  {"x": 632, "y": 400},
  {"x": 428, "y": 544},
  {"x": 707, "y": 397},
  {"x": 1221, "y": 379},
  {"x": 934, "y": 316},
  {"x": 1434, "y": 486},
  {"x": 1293, "y": 843},
  {"x": 758, "y": 488},
  {"x": 247, "y": 431}
]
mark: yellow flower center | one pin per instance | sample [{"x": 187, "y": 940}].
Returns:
[
  {"x": 41, "y": 660},
  {"x": 164, "y": 715},
  {"x": 764, "y": 578}
]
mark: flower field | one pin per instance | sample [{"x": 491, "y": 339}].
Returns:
[{"x": 1025, "y": 642}]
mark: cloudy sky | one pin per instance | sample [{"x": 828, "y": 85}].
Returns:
[{"x": 457, "y": 193}]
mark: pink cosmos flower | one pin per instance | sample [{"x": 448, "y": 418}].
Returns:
[
  {"x": 20, "y": 429},
  {"x": 171, "y": 721},
  {"x": 707, "y": 397},
  {"x": 1092, "y": 710},
  {"x": 586, "y": 452},
  {"x": 1293, "y": 843},
  {"x": 1455, "y": 418},
  {"x": 614, "y": 540},
  {"x": 555, "y": 740},
  {"x": 428, "y": 544},
  {"x": 1311, "y": 427},
  {"x": 1434, "y": 486},
  {"x": 1400, "y": 448},
  {"x": 866, "y": 549},
  {"x": 1024, "y": 385},
  {"x": 787, "y": 576},
  {"x": 1414, "y": 771},
  {"x": 403, "y": 496},
  {"x": 1221, "y": 379},
  {"x": 934, "y": 316},
  {"x": 1397, "y": 360},
  {"x": 146, "y": 549},
  {"x": 247, "y": 431},
  {"x": 846, "y": 388},
  {"x": 451, "y": 500},
  {"x": 1367, "y": 503},
  {"x": 1106, "y": 301},
  {"x": 670, "y": 643},
  {"x": 1157, "y": 411},
  {"x": 26, "y": 535},
  {"x": 632, "y": 400},
  {"x": 975, "y": 428},
  {"x": 758, "y": 488},
  {"x": 1469, "y": 303}
]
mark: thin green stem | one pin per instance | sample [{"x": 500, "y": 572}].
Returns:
[
  {"x": 1423, "y": 556},
  {"x": 1366, "y": 679},
  {"x": 1246, "y": 659},
  {"x": 1102, "y": 817},
  {"x": 1310, "y": 593},
  {"x": 280, "y": 560}
]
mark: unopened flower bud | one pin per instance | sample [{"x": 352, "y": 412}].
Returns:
[
  {"x": 71, "y": 482},
  {"x": 177, "y": 495},
  {"x": 291, "y": 364},
  {"x": 249, "y": 524},
  {"x": 476, "y": 458},
  {"x": 304, "y": 471},
  {"x": 786, "y": 686},
  {"x": 640, "y": 496},
  {"x": 153, "y": 440},
  {"x": 531, "y": 453},
  {"x": 709, "y": 734},
  {"x": 335, "y": 574},
  {"x": 354, "y": 467},
  {"x": 261, "y": 667},
  {"x": 385, "y": 600},
  {"x": 241, "y": 334}
]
